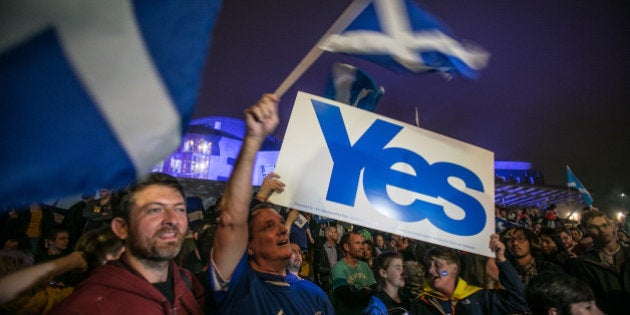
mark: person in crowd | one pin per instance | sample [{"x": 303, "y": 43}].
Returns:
[
  {"x": 99, "y": 247},
  {"x": 569, "y": 243},
  {"x": 480, "y": 271},
  {"x": 189, "y": 257},
  {"x": 16, "y": 241},
  {"x": 251, "y": 249},
  {"x": 447, "y": 293},
  {"x": 56, "y": 244},
  {"x": 606, "y": 266},
  {"x": 99, "y": 213},
  {"x": 526, "y": 254},
  {"x": 551, "y": 216},
  {"x": 553, "y": 249},
  {"x": 326, "y": 257},
  {"x": 73, "y": 220},
  {"x": 295, "y": 262},
  {"x": 560, "y": 294},
  {"x": 379, "y": 244},
  {"x": 151, "y": 220},
  {"x": 26, "y": 289},
  {"x": 368, "y": 252},
  {"x": 352, "y": 279},
  {"x": 390, "y": 274},
  {"x": 40, "y": 220}
]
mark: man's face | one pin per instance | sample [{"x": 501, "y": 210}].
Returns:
[
  {"x": 295, "y": 262},
  {"x": 61, "y": 240},
  {"x": 355, "y": 248},
  {"x": 600, "y": 230},
  {"x": 585, "y": 308},
  {"x": 270, "y": 238},
  {"x": 157, "y": 223},
  {"x": 520, "y": 245},
  {"x": 380, "y": 241},
  {"x": 331, "y": 233},
  {"x": 104, "y": 193}
]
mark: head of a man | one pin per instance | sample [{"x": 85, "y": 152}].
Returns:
[
  {"x": 331, "y": 234},
  {"x": 104, "y": 193},
  {"x": 560, "y": 294},
  {"x": 295, "y": 261},
  {"x": 151, "y": 219},
  {"x": 598, "y": 226},
  {"x": 58, "y": 240},
  {"x": 352, "y": 245},
  {"x": 268, "y": 237},
  {"x": 524, "y": 243},
  {"x": 443, "y": 268}
]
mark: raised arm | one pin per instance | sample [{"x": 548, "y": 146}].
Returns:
[{"x": 231, "y": 237}]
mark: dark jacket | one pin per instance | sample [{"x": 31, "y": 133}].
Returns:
[
  {"x": 611, "y": 287},
  {"x": 471, "y": 300},
  {"x": 117, "y": 288}
]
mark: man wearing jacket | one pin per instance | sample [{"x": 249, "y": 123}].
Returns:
[
  {"x": 447, "y": 293},
  {"x": 606, "y": 266},
  {"x": 152, "y": 221}
]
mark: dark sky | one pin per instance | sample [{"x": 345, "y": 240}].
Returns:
[{"x": 555, "y": 93}]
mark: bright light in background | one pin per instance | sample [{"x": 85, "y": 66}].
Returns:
[
  {"x": 574, "y": 217},
  {"x": 620, "y": 216}
]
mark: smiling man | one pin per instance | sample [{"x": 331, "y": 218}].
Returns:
[
  {"x": 152, "y": 221},
  {"x": 251, "y": 249}
]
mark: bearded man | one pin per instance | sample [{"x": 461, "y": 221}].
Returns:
[{"x": 152, "y": 221}]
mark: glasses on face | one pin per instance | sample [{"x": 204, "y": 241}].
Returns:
[{"x": 297, "y": 252}]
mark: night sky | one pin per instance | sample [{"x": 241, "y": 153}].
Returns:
[{"x": 555, "y": 93}]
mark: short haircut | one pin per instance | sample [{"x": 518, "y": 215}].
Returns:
[
  {"x": 589, "y": 215},
  {"x": 252, "y": 213},
  {"x": 447, "y": 254},
  {"x": 557, "y": 290},
  {"x": 345, "y": 238},
  {"x": 123, "y": 209}
]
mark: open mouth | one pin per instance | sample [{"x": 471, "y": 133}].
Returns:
[{"x": 283, "y": 242}]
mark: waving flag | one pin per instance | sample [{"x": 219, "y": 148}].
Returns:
[
  {"x": 95, "y": 92},
  {"x": 350, "y": 85},
  {"x": 574, "y": 182},
  {"x": 403, "y": 37}
]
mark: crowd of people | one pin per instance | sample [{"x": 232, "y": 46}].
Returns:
[{"x": 135, "y": 251}]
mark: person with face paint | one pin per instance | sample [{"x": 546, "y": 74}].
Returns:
[{"x": 447, "y": 293}]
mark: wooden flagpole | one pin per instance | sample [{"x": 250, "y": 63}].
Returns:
[{"x": 348, "y": 15}]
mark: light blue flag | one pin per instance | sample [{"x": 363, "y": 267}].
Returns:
[
  {"x": 400, "y": 36},
  {"x": 574, "y": 182},
  {"x": 94, "y": 93},
  {"x": 350, "y": 85}
]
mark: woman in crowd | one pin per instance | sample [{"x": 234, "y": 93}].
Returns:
[
  {"x": 389, "y": 273},
  {"x": 553, "y": 248}
]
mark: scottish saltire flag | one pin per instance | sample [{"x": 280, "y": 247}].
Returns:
[
  {"x": 350, "y": 85},
  {"x": 94, "y": 93},
  {"x": 574, "y": 182},
  {"x": 400, "y": 36}
]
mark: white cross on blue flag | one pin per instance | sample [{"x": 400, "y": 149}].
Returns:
[
  {"x": 402, "y": 37},
  {"x": 94, "y": 93},
  {"x": 574, "y": 182}
]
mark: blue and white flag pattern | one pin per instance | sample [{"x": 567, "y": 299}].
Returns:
[
  {"x": 352, "y": 86},
  {"x": 574, "y": 182},
  {"x": 400, "y": 36},
  {"x": 94, "y": 93}
]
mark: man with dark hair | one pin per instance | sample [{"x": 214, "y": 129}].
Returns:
[
  {"x": 352, "y": 279},
  {"x": 606, "y": 266},
  {"x": 152, "y": 221},
  {"x": 251, "y": 250},
  {"x": 560, "y": 294},
  {"x": 447, "y": 293}
]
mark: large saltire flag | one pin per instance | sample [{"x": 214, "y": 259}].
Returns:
[
  {"x": 574, "y": 182},
  {"x": 401, "y": 36},
  {"x": 351, "y": 85},
  {"x": 94, "y": 93}
]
